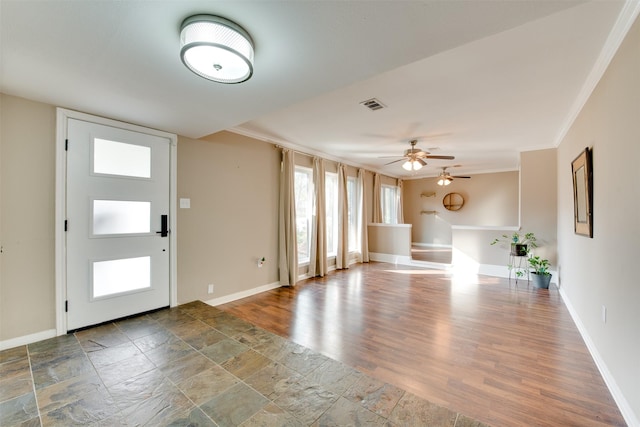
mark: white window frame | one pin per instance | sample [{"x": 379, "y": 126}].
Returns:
[
  {"x": 353, "y": 214},
  {"x": 331, "y": 214},
  {"x": 389, "y": 199},
  {"x": 309, "y": 210}
]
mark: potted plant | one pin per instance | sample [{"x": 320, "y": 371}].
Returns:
[
  {"x": 540, "y": 272},
  {"x": 521, "y": 244}
]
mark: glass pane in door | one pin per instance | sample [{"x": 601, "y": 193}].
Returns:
[
  {"x": 121, "y": 217},
  {"x": 121, "y": 275},
  {"x": 119, "y": 158}
]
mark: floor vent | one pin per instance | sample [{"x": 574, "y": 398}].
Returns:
[{"x": 373, "y": 104}]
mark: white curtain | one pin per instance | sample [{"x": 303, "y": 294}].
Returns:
[
  {"x": 400, "y": 203},
  {"x": 377, "y": 204},
  {"x": 288, "y": 246},
  {"x": 342, "y": 257},
  {"x": 318, "y": 253},
  {"x": 362, "y": 220}
]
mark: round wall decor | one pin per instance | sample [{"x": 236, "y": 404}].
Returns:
[{"x": 453, "y": 201}]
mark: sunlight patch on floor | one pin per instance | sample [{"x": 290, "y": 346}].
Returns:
[{"x": 417, "y": 272}]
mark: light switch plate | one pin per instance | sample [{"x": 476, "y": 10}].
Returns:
[{"x": 185, "y": 203}]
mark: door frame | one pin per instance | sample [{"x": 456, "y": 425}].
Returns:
[{"x": 62, "y": 117}]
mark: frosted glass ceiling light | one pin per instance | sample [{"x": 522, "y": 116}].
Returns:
[
  {"x": 216, "y": 49},
  {"x": 412, "y": 165},
  {"x": 444, "y": 180}
]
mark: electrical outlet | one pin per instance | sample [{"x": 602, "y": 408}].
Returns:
[
  {"x": 210, "y": 288},
  {"x": 604, "y": 314}
]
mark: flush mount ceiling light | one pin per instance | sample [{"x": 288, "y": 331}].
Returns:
[{"x": 216, "y": 49}]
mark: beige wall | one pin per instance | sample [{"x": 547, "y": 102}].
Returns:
[
  {"x": 27, "y": 201},
  {"x": 390, "y": 239},
  {"x": 232, "y": 182},
  {"x": 601, "y": 271},
  {"x": 539, "y": 202},
  {"x": 536, "y": 198},
  {"x": 490, "y": 200}
]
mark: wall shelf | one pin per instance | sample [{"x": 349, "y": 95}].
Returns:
[
  {"x": 428, "y": 212},
  {"x": 428, "y": 194}
]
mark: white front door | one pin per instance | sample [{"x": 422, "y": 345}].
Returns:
[{"x": 117, "y": 237}]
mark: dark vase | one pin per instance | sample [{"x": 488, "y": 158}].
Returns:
[
  {"x": 541, "y": 280},
  {"x": 518, "y": 249}
]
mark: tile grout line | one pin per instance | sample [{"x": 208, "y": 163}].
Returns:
[{"x": 33, "y": 384}]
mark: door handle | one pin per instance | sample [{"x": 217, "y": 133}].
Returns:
[{"x": 164, "y": 226}]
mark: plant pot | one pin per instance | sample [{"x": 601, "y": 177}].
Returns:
[
  {"x": 541, "y": 280},
  {"x": 518, "y": 249}
]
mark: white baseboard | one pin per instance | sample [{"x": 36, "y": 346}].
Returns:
[
  {"x": 390, "y": 258},
  {"x": 243, "y": 294},
  {"x": 406, "y": 260},
  {"x": 630, "y": 417},
  {"x": 503, "y": 272},
  {"x": 431, "y": 245},
  {"x": 27, "y": 339}
]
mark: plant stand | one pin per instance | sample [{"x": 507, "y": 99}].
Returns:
[{"x": 519, "y": 265}]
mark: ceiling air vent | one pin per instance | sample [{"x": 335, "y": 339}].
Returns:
[{"x": 373, "y": 104}]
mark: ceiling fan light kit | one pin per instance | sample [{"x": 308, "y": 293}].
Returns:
[
  {"x": 415, "y": 158},
  {"x": 443, "y": 180},
  {"x": 413, "y": 164},
  {"x": 445, "y": 177},
  {"x": 216, "y": 49}
]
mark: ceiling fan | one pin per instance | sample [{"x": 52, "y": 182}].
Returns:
[
  {"x": 445, "y": 177},
  {"x": 415, "y": 158}
]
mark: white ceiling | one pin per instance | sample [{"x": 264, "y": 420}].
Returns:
[{"x": 480, "y": 80}]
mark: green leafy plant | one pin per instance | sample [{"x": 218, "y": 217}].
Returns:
[
  {"x": 520, "y": 245},
  {"x": 528, "y": 239},
  {"x": 539, "y": 265}
]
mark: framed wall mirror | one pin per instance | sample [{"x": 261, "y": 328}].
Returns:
[
  {"x": 581, "y": 170},
  {"x": 453, "y": 201}
]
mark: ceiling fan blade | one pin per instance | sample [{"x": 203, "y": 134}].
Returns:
[
  {"x": 430, "y": 156},
  {"x": 395, "y": 161},
  {"x": 422, "y": 162},
  {"x": 456, "y": 176}
]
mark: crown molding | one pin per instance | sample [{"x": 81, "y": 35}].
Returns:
[{"x": 306, "y": 150}]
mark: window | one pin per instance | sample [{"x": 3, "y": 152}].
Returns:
[
  {"x": 331, "y": 206},
  {"x": 353, "y": 209},
  {"x": 389, "y": 200},
  {"x": 304, "y": 211}
]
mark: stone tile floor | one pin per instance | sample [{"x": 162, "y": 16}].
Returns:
[{"x": 195, "y": 365}]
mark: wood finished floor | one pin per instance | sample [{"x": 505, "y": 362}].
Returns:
[{"x": 505, "y": 355}]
